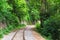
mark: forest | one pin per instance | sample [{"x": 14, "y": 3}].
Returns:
[{"x": 47, "y": 12}]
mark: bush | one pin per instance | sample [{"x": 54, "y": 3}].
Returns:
[
  {"x": 52, "y": 27},
  {"x": 1, "y": 33},
  {"x": 38, "y": 28}
]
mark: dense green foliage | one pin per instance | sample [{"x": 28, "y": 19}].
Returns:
[
  {"x": 9, "y": 16},
  {"x": 13, "y": 12},
  {"x": 49, "y": 17},
  {"x": 33, "y": 11},
  {"x": 52, "y": 27}
]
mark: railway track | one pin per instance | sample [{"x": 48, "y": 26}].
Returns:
[{"x": 23, "y": 34}]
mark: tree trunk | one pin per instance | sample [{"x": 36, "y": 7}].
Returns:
[{"x": 43, "y": 11}]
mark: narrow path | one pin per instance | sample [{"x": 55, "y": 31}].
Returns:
[
  {"x": 19, "y": 35},
  {"x": 23, "y": 34}
]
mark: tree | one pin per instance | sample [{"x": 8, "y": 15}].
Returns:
[
  {"x": 33, "y": 11},
  {"x": 4, "y": 10},
  {"x": 19, "y": 8}
]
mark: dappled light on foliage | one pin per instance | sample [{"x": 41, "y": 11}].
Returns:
[{"x": 44, "y": 14}]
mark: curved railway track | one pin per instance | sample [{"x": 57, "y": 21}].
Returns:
[
  {"x": 17, "y": 33},
  {"x": 22, "y": 34}
]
